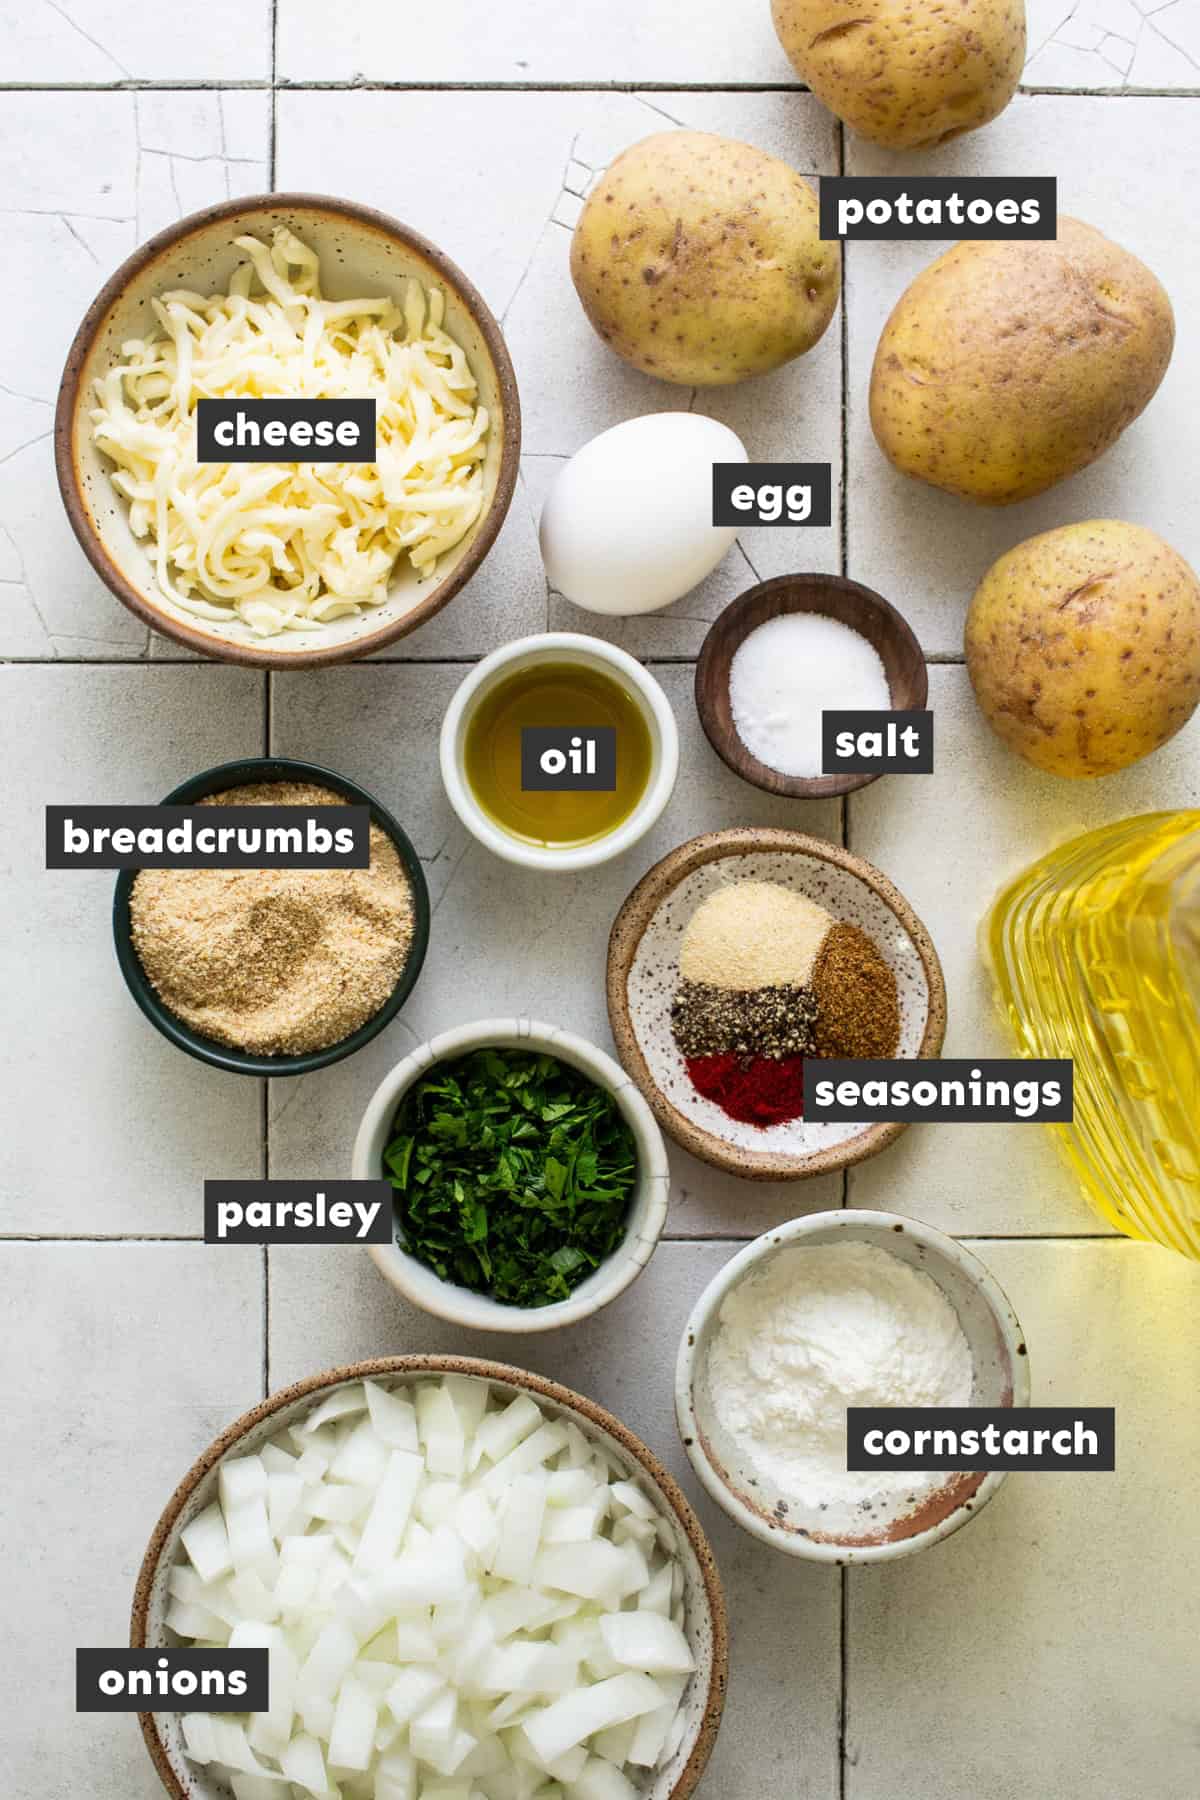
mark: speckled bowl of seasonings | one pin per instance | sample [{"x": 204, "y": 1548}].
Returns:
[
  {"x": 282, "y": 971},
  {"x": 742, "y": 956}
]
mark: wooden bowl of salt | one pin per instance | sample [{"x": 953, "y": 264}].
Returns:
[{"x": 833, "y": 597}]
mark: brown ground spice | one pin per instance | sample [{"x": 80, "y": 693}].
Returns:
[
  {"x": 278, "y": 961},
  {"x": 858, "y": 1009}
]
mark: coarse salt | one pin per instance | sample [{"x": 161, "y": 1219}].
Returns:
[{"x": 789, "y": 671}]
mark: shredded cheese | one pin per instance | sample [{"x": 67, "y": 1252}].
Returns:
[{"x": 291, "y": 546}]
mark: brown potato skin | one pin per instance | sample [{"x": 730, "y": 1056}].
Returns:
[
  {"x": 1007, "y": 366},
  {"x": 907, "y": 74},
  {"x": 698, "y": 260},
  {"x": 1083, "y": 646}
]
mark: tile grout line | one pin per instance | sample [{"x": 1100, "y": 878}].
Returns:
[
  {"x": 950, "y": 658},
  {"x": 272, "y": 128},
  {"x": 844, "y": 566},
  {"x": 844, "y": 1676},
  {"x": 200, "y": 84},
  {"x": 965, "y": 1237},
  {"x": 265, "y": 1085}
]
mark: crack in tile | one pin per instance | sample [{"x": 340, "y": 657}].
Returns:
[
  {"x": 81, "y": 241},
  {"x": 661, "y": 111},
  {"x": 27, "y": 445},
  {"x": 459, "y": 861},
  {"x": 746, "y": 559},
  {"x": 16, "y": 394},
  {"x": 1105, "y": 39},
  {"x": 53, "y": 212},
  {"x": 27, "y": 585},
  {"x": 88, "y": 38},
  {"x": 549, "y": 220}
]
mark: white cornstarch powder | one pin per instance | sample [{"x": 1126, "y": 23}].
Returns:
[
  {"x": 789, "y": 671},
  {"x": 821, "y": 1328}
]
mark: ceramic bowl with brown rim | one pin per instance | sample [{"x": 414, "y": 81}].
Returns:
[
  {"x": 704, "y": 1605},
  {"x": 831, "y": 597},
  {"x": 362, "y": 252},
  {"x": 876, "y": 1528},
  {"x": 643, "y": 975}
]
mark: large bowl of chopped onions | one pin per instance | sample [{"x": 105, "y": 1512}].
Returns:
[
  {"x": 287, "y": 296},
  {"x": 454, "y": 1566}
]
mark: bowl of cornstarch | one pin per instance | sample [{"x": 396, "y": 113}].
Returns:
[
  {"x": 840, "y": 1310},
  {"x": 275, "y": 971},
  {"x": 784, "y": 653}
]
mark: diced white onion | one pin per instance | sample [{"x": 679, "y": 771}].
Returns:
[{"x": 461, "y": 1599}]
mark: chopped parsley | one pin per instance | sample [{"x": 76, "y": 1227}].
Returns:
[{"x": 513, "y": 1174}]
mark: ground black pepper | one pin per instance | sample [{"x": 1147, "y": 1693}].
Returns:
[{"x": 771, "y": 1021}]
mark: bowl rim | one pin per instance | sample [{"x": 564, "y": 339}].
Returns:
[
  {"x": 246, "y": 772},
  {"x": 440, "y": 1298},
  {"x": 420, "y": 1364},
  {"x": 750, "y": 1256},
  {"x": 730, "y": 629},
  {"x": 628, "y": 929},
  {"x": 534, "y": 648},
  {"x": 72, "y": 396}
]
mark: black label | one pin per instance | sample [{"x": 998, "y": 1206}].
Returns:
[
  {"x": 772, "y": 494},
  {"x": 215, "y": 1681},
  {"x": 208, "y": 837},
  {"x": 1000, "y": 1090},
  {"x": 297, "y": 1212},
  {"x": 939, "y": 206},
  {"x": 285, "y": 431},
  {"x": 877, "y": 743},
  {"x": 580, "y": 759},
  {"x": 981, "y": 1437}
]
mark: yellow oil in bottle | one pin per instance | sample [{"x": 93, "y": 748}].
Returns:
[{"x": 1095, "y": 953}]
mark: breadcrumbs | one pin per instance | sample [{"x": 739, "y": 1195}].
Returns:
[{"x": 275, "y": 961}]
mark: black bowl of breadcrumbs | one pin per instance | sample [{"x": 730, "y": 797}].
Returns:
[{"x": 275, "y": 972}]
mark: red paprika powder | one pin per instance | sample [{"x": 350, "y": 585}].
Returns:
[{"x": 762, "y": 1091}]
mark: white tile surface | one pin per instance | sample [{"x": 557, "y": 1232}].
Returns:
[
  {"x": 504, "y": 941},
  {"x": 108, "y": 1128},
  {"x": 1113, "y": 44},
  {"x": 132, "y": 1357},
  {"x": 571, "y": 385},
  {"x": 779, "y": 1738},
  {"x": 86, "y": 178},
  {"x": 1050, "y": 1646},
  {"x": 999, "y": 815},
  {"x": 529, "y": 41},
  {"x": 108, "y": 40},
  {"x": 926, "y": 550}
]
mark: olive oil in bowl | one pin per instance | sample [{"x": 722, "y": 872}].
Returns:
[{"x": 563, "y": 695}]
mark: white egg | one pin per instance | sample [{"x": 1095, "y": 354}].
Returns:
[{"x": 627, "y": 526}]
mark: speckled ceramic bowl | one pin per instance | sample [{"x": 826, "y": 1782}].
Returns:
[
  {"x": 361, "y": 251},
  {"x": 880, "y": 1531},
  {"x": 643, "y": 973},
  {"x": 704, "y": 1602},
  {"x": 647, "y": 1210}
]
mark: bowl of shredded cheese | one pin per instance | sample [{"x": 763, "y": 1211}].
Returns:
[{"x": 287, "y": 297}]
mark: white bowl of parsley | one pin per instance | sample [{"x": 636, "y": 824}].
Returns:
[{"x": 529, "y": 1177}]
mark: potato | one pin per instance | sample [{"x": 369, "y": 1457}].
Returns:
[
  {"x": 906, "y": 73},
  {"x": 1005, "y": 367},
  {"x": 1083, "y": 646},
  {"x": 697, "y": 259}
]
